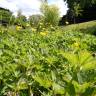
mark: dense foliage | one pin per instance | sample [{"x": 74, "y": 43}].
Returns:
[
  {"x": 80, "y": 11},
  {"x": 6, "y": 16},
  {"x": 20, "y": 19},
  {"x": 34, "y": 20},
  {"x": 46, "y": 59},
  {"x": 47, "y": 63},
  {"x": 82, "y": 3},
  {"x": 50, "y": 14}
]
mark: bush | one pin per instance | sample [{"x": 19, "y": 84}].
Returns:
[
  {"x": 34, "y": 20},
  {"x": 20, "y": 19},
  {"x": 50, "y": 14},
  {"x": 6, "y": 17}
]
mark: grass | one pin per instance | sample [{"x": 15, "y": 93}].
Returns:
[{"x": 86, "y": 27}]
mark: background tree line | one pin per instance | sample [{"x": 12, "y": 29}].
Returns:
[
  {"x": 79, "y": 11},
  {"x": 7, "y": 17},
  {"x": 50, "y": 16}
]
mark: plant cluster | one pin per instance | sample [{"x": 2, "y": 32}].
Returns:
[
  {"x": 53, "y": 63},
  {"x": 38, "y": 58}
]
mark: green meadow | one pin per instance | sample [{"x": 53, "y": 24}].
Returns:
[{"x": 40, "y": 58}]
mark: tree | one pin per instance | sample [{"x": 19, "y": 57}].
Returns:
[
  {"x": 6, "y": 16},
  {"x": 50, "y": 14},
  {"x": 76, "y": 10},
  {"x": 34, "y": 20},
  {"x": 80, "y": 10},
  {"x": 21, "y": 19},
  {"x": 82, "y": 3}
]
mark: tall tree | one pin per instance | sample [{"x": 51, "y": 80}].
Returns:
[
  {"x": 82, "y": 3},
  {"x": 81, "y": 7},
  {"x": 50, "y": 14}
]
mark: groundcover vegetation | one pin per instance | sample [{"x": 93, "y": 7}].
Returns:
[{"x": 47, "y": 63}]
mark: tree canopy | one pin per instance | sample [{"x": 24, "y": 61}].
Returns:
[
  {"x": 5, "y": 16},
  {"x": 50, "y": 14},
  {"x": 20, "y": 19},
  {"x": 83, "y": 3},
  {"x": 80, "y": 11}
]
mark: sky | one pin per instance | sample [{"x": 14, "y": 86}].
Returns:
[{"x": 29, "y": 7}]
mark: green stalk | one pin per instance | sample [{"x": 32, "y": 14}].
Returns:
[{"x": 29, "y": 91}]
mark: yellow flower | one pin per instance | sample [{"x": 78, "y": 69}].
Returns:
[
  {"x": 33, "y": 30},
  {"x": 76, "y": 44},
  {"x": 53, "y": 28},
  {"x": 18, "y": 27},
  {"x": 41, "y": 23},
  {"x": 27, "y": 24},
  {"x": 67, "y": 22},
  {"x": 43, "y": 33},
  {"x": 43, "y": 28}
]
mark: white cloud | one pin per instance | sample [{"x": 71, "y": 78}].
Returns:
[
  {"x": 10, "y": 5},
  {"x": 30, "y": 7}
]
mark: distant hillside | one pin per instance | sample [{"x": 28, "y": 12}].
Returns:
[{"x": 86, "y": 27}]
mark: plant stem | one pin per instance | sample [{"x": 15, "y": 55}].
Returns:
[{"x": 30, "y": 91}]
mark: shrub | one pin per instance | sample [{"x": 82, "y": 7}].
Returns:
[
  {"x": 20, "y": 19},
  {"x": 6, "y": 17},
  {"x": 34, "y": 20},
  {"x": 50, "y": 14}
]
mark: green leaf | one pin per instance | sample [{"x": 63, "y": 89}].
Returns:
[
  {"x": 43, "y": 81},
  {"x": 70, "y": 89},
  {"x": 58, "y": 89}
]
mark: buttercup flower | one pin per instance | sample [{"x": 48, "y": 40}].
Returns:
[
  {"x": 41, "y": 23},
  {"x": 76, "y": 44},
  {"x": 18, "y": 27},
  {"x": 27, "y": 24},
  {"x": 43, "y": 33},
  {"x": 33, "y": 30}
]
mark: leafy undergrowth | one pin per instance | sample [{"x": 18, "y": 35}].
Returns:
[{"x": 47, "y": 63}]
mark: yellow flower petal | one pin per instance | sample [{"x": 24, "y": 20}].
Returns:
[
  {"x": 76, "y": 44},
  {"x": 43, "y": 33},
  {"x": 33, "y": 30},
  {"x": 18, "y": 27}
]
